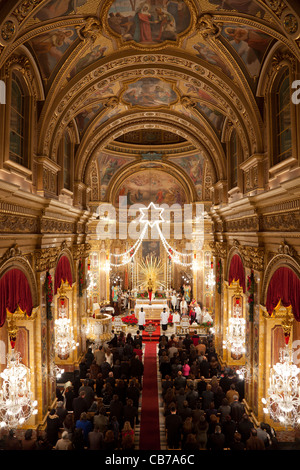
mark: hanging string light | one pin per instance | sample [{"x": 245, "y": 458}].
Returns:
[
  {"x": 16, "y": 403},
  {"x": 176, "y": 256}
]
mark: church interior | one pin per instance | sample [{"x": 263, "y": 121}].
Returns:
[{"x": 150, "y": 181}]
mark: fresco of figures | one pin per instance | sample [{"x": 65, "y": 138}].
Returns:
[
  {"x": 250, "y": 44},
  {"x": 194, "y": 166},
  {"x": 149, "y": 92},
  {"x": 108, "y": 166},
  {"x": 248, "y": 7},
  {"x": 152, "y": 185},
  {"x": 50, "y": 48},
  {"x": 145, "y": 21}
]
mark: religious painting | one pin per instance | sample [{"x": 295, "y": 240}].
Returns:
[
  {"x": 196, "y": 91},
  {"x": 149, "y": 92},
  {"x": 85, "y": 117},
  {"x": 50, "y": 47},
  {"x": 96, "y": 52},
  {"x": 152, "y": 185},
  {"x": 148, "y": 21},
  {"x": 249, "y": 43},
  {"x": 214, "y": 116},
  {"x": 194, "y": 166},
  {"x": 206, "y": 53},
  {"x": 248, "y": 7},
  {"x": 108, "y": 166},
  {"x": 151, "y": 248},
  {"x": 56, "y": 8}
]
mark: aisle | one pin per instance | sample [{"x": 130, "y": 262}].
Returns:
[{"x": 149, "y": 423}]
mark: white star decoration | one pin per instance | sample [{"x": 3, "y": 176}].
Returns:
[{"x": 155, "y": 209}]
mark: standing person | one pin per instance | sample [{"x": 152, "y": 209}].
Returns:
[
  {"x": 174, "y": 301},
  {"x": 164, "y": 319},
  {"x": 183, "y": 307},
  {"x": 173, "y": 424},
  {"x": 142, "y": 319},
  {"x": 53, "y": 425},
  {"x": 64, "y": 443}
]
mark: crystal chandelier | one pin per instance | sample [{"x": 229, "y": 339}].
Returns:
[
  {"x": 56, "y": 373},
  {"x": 16, "y": 403},
  {"x": 64, "y": 335},
  {"x": 235, "y": 336},
  {"x": 210, "y": 280},
  {"x": 283, "y": 402}
]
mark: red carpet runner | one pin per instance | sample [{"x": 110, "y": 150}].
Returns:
[{"x": 149, "y": 427}]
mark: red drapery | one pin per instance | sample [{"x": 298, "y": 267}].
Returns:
[
  {"x": 63, "y": 273},
  {"x": 236, "y": 271},
  {"x": 284, "y": 286},
  {"x": 14, "y": 291}
]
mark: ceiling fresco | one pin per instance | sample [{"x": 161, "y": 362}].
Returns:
[{"x": 156, "y": 78}]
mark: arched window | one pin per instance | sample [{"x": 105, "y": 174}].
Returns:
[
  {"x": 17, "y": 151},
  {"x": 283, "y": 120},
  {"x": 233, "y": 160}
]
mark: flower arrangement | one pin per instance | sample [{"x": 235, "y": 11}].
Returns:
[
  {"x": 161, "y": 295},
  {"x": 49, "y": 295},
  {"x": 80, "y": 278},
  {"x": 142, "y": 295},
  {"x": 130, "y": 320},
  {"x": 208, "y": 324}
]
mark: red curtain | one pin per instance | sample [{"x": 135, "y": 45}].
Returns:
[
  {"x": 63, "y": 273},
  {"x": 14, "y": 291},
  {"x": 236, "y": 271},
  {"x": 284, "y": 286}
]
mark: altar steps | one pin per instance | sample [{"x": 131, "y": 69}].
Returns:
[{"x": 155, "y": 335}]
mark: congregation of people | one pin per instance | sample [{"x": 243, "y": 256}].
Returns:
[
  {"x": 203, "y": 403},
  {"x": 99, "y": 409}
]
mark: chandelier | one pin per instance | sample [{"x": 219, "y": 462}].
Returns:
[
  {"x": 56, "y": 373},
  {"x": 16, "y": 404},
  {"x": 64, "y": 335},
  {"x": 235, "y": 336},
  {"x": 283, "y": 402}
]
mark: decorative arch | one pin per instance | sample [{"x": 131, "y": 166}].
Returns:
[
  {"x": 15, "y": 292},
  {"x": 163, "y": 166},
  {"x": 64, "y": 271},
  {"x": 284, "y": 287},
  {"x": 281, "y": 260},
  {"x": 236, "y": 270}
]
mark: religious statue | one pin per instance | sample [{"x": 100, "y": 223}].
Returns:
[
  {"x": 115, "y": 293},
  {"x": 187, "y": 293},
  {"x": 150, "y": 288}
]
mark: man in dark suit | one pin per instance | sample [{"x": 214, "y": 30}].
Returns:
[
  {"x": 136, "y": 368},
  {"x": 130, "y": 413},
  {"x": 237, "y": 409},
  {"x": 116, "y": 408},
  {"x": 216, "y": 441},
  {"x": 173, "y": 425},
  {"x": 80, "y": 405},
  {"x": 179, "y": 381}
]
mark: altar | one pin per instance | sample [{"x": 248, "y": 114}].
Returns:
[{"x": 152, "y": 310}]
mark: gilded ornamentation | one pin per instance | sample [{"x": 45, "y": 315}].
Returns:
[
  {"x": 90, "y": 30},
  {"x": 207, "y": 27},
  {"x": 8, "y": 31}
]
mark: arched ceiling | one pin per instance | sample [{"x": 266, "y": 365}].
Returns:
[{"x": 141, "y": 92}]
